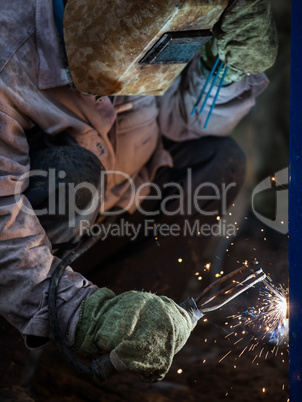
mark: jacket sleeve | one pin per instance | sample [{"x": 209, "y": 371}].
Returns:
[
  {"x": 233, "y": 103},
  {"x": 26, "y": 261}
]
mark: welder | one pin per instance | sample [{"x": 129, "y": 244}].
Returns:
[{"x": 80, "y": 99}]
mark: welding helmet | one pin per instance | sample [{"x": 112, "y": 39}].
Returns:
[{"x": 134, "y": 47}]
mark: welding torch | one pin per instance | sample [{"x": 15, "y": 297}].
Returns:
[
  {"x": 234, "y": 284},
  {"x": 212, "y": 298}
]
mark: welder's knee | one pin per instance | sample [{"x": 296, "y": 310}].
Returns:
[
  {"x": 217, "y": 161},
  {"x": 221, "y": 156},
  {"x": 230, "y": 163},
  {"x": 67, "y": 183},
  {"x": 72, "y": 164}
]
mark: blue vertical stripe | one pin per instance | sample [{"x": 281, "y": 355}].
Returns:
[
  {"x": 58, "y": 12},
  {"x": 295, "y": 207}
]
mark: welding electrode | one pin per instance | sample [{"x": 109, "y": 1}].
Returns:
[{"x": 213, "y": 298}]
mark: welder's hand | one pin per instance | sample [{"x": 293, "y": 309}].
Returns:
[
  {"x": 143, "y": 330},
  {"x": 245, "y": 38}
]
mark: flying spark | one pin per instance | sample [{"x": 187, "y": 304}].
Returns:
[{"x": 266, "y": 323}]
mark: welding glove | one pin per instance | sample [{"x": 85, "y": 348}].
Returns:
[
  {"x": 143, "y": 331},
  {"x": 245, "y": 38}
]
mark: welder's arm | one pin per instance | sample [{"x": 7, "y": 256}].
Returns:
[
  {"x": 26, "y": 262},
  {"x": 233, "y": 103},
  {"x": 141, "y": 330},
  {"x": 245, "y": 39}
]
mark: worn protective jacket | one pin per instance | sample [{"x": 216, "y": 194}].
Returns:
[{"x": 35, "y": 89}]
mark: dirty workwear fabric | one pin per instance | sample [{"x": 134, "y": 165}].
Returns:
[
  {"x": 36, "y": 90},
  {"x": 144, "y": 329},
  {"x": 246, "y": 36}
]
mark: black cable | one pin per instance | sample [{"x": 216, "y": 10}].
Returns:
[{"x": 100, "y": 369}]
